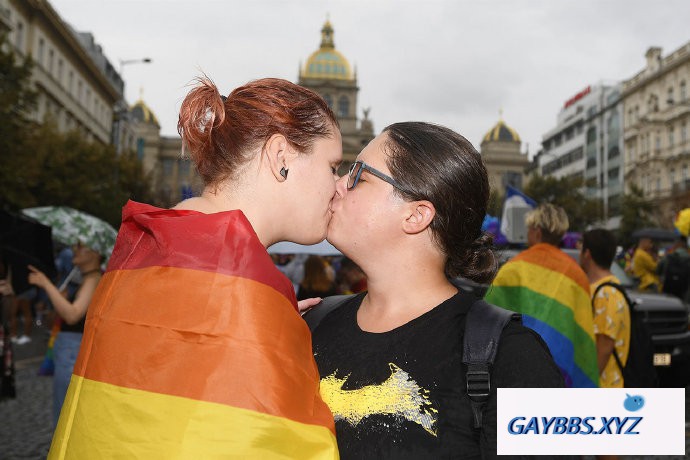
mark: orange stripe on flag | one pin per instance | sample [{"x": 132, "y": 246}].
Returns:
[{"x": 152, "y": 333}]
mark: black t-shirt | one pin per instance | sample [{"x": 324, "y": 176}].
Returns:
[{"x": 402, "y": 394}]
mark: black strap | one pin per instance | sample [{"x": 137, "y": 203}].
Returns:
[
  {"x": 620, "y": 289},
  {"x": 483, "y": 328},
  {"x": 314, "y": 316}
]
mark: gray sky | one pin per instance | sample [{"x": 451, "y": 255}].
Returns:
[{"x": 452, "y": 62}]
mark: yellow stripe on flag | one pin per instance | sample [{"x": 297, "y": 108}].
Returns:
[{"x": 155, "y": 426}]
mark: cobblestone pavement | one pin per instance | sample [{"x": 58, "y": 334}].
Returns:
[{"x": 26, "y": 422}]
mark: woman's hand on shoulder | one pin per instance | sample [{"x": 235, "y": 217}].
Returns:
[{"x": 307, "y": 304}]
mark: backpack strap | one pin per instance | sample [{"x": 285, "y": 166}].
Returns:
[
  {"x": 483, "y": 328},
  {"x": 628, "y": 302},
  {"x": 314, "y": 316}
]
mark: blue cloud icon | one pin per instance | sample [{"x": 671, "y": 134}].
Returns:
[{"x": 633, "y": 403}]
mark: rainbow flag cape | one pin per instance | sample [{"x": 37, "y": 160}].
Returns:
[
  {"x": 552, "y": 293},
  {"x": 193, "y": 348}
]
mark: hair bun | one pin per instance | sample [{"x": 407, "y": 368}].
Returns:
[{"x": 477, "y": 262}]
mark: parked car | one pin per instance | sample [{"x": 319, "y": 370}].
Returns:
[{"x": 667, "y": 317}]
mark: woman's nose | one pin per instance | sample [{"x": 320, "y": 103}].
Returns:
[{"x": 341, "y": 185}]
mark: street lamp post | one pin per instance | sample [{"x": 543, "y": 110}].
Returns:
[
  {"x": 124, "y": 62},
  {"x": 121, "y": 106}
]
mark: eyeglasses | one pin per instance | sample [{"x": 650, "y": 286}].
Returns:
[{"x": 356, "y": 172}]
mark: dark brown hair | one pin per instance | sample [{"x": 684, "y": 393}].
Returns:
[
  {"x": 221, "y": 133},
  {"x": 437, "y": 164},
  {"x": 602, "y": 246}
]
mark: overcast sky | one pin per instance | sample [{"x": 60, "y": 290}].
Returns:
[{"x": 452, "y": 62}]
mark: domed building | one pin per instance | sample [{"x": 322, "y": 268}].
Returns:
[
  {"x": 505, "y": 163},
  {"x": 329, "y": 73}
]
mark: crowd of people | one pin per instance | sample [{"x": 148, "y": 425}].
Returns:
[{"x": 191, "y": 342}]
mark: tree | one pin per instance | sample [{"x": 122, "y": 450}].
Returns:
[
  {"x": 636, "y": 213},
  {"x": 40, "y": 166},
  {"x": 566, "y": 192},
  {"x": 17, "y": 101},
  {"x": 84, "y": 175}
]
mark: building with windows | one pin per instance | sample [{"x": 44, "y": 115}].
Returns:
[
  {"x": 77, "y": 86},
  {"x": 587, "y": 142},
  {"x": 328, "y": 73},
  {"x": 656, "y": 105},
  {"x": 505, "y": 163}
]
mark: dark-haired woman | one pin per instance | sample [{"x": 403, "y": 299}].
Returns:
[
  {"x": 193, "y": 346},
  {"x": 409, "y": 213}
]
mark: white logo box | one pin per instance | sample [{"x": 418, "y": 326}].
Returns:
[{"x": 591, "y": 421}]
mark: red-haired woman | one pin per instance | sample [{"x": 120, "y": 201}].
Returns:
[{"x": 193, "y": 344}]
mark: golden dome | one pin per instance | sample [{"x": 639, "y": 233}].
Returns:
[
  {"x": 142, "y": 113},
  {"x": 327, "y": 62},
  {"x": 502, "y": 133}
]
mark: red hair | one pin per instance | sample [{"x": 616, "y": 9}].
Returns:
[{"x": 222, "y": 133}]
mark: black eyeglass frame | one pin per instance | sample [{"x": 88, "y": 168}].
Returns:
[{"x": 372, "y": 170}]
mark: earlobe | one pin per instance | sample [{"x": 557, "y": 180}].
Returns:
[
  {"x": 420, "y": 216},
  {"x": 279, "y": 154}
]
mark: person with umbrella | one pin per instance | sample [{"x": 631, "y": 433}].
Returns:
[
  {"x": 72, "y": 311},
  {"x": 92, "y": 241}
]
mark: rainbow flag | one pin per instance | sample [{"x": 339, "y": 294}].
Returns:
[
  {"x": 193, "y": 348},
  {"x": 552, "y": 293}
]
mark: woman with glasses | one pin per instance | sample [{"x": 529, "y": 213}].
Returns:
[
  {"x": 194, "y": 347},
  {"x": 409, "y": 213}
]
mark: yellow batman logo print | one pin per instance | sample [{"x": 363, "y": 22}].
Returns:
[{"x": 399, "y": 396}]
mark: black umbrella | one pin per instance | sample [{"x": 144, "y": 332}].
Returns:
[
  {"x": 23, "y": 242},
  {"x": 656, "y": 234}
]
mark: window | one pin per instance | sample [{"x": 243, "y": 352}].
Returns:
[
  {"x": 670, "y": 136},
  {"x": 614, "y": 152},
  {"x": 613, "y": 174},
  {"x": 591, "y": 135},
  {"x": 19, "y": 38},
  {"x": 653, "y": 104},
  {"x": 684, "y": 175},
  {"x": 59, "y": 71},
  {"x": 329, "y": 100},
  {"x": 141, "y": 143},
  {"x": 183, "y": 168},
  {"x": 683, "y": 133},
  {"x": 41, "y": 51},
  {"x": 51, "y": 59},
  {"x": 167, "y": 167},
  {"x": 657, "y": 141},
  {"x": 669, "y": 97},
  {"x": 343, "y": 106},
  {"x": 683, "y": 94},
  {"x": 80, "y": 94},
  {"x": 672, "y": 176}
]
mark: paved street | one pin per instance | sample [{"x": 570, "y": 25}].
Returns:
[{"x": 26, "y": 421}]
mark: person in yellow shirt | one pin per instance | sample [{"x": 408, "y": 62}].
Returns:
[
  {"x": 611, "y": 313},
  {"x": 644, "y": 266}
]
